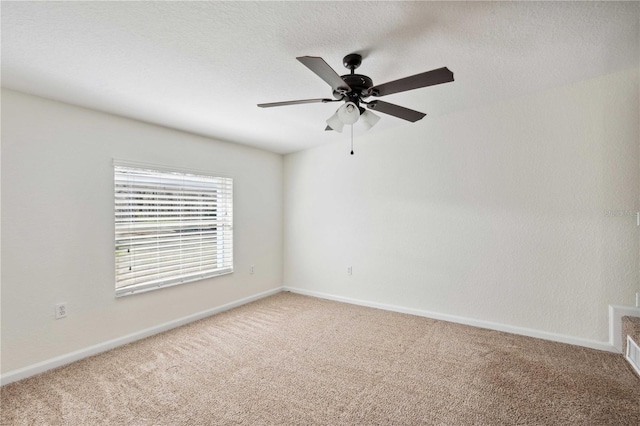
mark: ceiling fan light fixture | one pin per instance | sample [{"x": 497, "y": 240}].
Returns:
[
  {"x": 348, "y": 113},
  {"x": 335, "y": 123},
  {"x": 369, "y": 119},
  {"x": 354, "y": 88}
]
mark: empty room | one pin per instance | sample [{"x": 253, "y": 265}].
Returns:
[{"x": 320, "y": 213}]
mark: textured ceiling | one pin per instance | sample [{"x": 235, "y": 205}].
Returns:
[{"x": 202, "y": 67}]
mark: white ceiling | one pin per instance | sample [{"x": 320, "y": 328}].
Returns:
[{"x": 202, "y": 67}]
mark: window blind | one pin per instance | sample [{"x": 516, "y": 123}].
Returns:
[{"x": 170, "y": 228}]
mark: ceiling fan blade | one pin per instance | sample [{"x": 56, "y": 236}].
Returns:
[
  {"x": 301, "y": 101},
  {"x": 429, "y": 78},
  {"x": 396, "y": 111},
  {"x": 325, "y": 72}
]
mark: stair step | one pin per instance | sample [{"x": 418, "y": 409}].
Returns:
[{"x": 631, "y": 328}]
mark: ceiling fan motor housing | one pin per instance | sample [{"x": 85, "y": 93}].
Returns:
[{"x": 360, "y": 85}]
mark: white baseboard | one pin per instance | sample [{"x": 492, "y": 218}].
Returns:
[
  {"x": 632, "y": 347},
  {"x": 593, "y": 344},
  {"x": 615, "y": 323},
  {"x": 615, "y": 314},
  {"x": 41, "y": 367}
]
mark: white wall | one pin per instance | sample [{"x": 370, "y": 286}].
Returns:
[
  {"x": 58, "y": 232},
  {"x": 495, "y": 214}
]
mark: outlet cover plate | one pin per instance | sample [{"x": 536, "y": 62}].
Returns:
[{"x": 61, "y": 310}]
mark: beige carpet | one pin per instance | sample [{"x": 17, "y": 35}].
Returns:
[{"x": 290, "y": 359}]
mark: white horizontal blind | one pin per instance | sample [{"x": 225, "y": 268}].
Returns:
[{"x": 171, "y": 228}]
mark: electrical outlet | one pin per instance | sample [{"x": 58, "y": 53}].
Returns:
[
  {"x": 251, "y": 269},
  {"x": 61, "y": 310},
  {"x": 350, "y": 270}
]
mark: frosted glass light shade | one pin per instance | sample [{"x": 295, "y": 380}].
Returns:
[
  {"x": 369, "y": 119},
  {"x": 335, "y": 123},
  {"x": 348, "y": 113}
]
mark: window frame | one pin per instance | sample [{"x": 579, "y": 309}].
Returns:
[{"x": 222, "y": 233}]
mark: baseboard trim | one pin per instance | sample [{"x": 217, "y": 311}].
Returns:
[
  {"x": 616, "y": 313},
  {"x": 41, "y": 367},
  {"x": 593, "y": 344}
]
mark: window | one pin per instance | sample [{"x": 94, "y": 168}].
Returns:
[{"x": 171, "y": 227}]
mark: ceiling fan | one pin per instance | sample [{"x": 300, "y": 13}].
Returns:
[{"x": 354, "y": 88}]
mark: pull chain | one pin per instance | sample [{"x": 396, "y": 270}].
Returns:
[{"x": 352, "y": 139}]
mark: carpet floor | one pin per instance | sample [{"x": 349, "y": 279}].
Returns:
[{"x": 297, "y": 360}]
